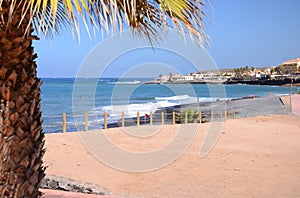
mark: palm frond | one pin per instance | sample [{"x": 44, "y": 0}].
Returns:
[
  {"x": 141, "y": 16},
  {"x": 44, "y": 20},
  {"x": 187, "y": 15}
]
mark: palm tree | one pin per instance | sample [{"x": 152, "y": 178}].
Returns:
[
  {"x": 278, "y": 69},
  {"x": 21, "y": 136}
]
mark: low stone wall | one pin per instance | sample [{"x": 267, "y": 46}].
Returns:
[{"x": 61, "y": 183}]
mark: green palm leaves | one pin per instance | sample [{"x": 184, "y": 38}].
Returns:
[{"x": 142, "y": 16}]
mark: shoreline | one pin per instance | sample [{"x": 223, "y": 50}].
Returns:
[
  {"x": 243, "y": 107},
  {"x": 237, "y": 107}
]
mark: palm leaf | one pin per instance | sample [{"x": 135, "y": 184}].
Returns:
[{"x": 141, "y": 16}]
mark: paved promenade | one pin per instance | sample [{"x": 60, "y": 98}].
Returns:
[{"x": 296, "y": 105}]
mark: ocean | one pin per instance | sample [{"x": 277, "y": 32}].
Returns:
[{"x": 75, "y": 97}]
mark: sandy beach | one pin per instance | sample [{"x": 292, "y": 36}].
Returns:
[{"x": 253, "y": 157}]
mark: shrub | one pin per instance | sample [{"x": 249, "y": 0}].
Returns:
[{"x": 192, "y": 116}]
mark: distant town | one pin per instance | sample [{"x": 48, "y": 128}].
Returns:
[{"x": 285, "y": 73}]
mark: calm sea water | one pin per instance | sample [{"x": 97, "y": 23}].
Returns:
[{"x": 76, "y": 97}]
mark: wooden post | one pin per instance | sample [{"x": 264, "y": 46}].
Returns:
[
  {"x": 138, "y": 118},
  {"x": 162, "y": 118},
  {"x": 151, "y": 120},
  {"x": 86, "y": 121},
  {"x": 234, "y": 114},
  {"x": 228, "y": 115},
  {"x": 123, "y": 119},
  {"x": 64, "y": 127},
  {"x": 212, "y": 117},
  {"x": 200, "y": 117},
  {"x": 105, "y": 120},
  {"x": 173, "y": 118},
  {"x": 186, "y": 117},
  {"x": 225, "y": 115}
]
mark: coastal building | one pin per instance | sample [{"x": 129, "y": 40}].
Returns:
[
  {"x": 260, "y": 75},
  {"x": 252, "y": 73},
  {"x": 291, "y": 66},
  {"x": 268, "y": 71},
  {"x": 198, "y": 75},
  {"x": 210, "y": 74},
  {"x": 177, "y": 77},
  {"x": 256, "y": 73},
  {"x": 162, "y": 78},
  {"x": 188, "y": 77}
]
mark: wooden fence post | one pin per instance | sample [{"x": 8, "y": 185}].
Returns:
[
  {"x": 123, "y": 119},
  {"x": 234, "y": 114},
  {"x": 151, "y": 120},
  {"x": 212, "y": 116},
  {"x": 228, "y": 114},
  {"x": 225, "y": 115},
  {"x": 200, "y": 117},
  {"x": 105, "y": 120},
  {"x": 186, "y": 117},
  {"x": 86, "y": 121},
  {"x": 173, "y": 118},
  {"x": 138, "y": 118},
  {"x": 162, "y": 118},
  {"x": 64, "y": 127}
]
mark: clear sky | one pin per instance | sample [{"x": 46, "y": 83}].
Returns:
[{"x": 249, "y": 32}]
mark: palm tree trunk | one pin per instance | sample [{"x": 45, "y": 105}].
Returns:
[{"x": 21, "y": 136}]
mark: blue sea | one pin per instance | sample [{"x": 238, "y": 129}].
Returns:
[{"x": 75, "y": 97}]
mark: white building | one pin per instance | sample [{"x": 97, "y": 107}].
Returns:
[
  {"x": 177, "y": 77},
  {"x": 189, "y": 77},
  {"x": 198, "y": 76}
]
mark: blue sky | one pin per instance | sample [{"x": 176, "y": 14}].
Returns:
[{"x": 249, "y": 32}]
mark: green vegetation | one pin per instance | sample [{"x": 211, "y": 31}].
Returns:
[
  {"x": 192, "y": 116},
  {"x": 239, "y": 71}
]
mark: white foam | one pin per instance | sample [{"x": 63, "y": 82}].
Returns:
[
  {"x": 185, "y": 99},
  {"x": 282, "y": 94},
  {"x": 128, "y": 83},
  {"x": 130, "y": 110},
  {"x": 180, "y": 97}
]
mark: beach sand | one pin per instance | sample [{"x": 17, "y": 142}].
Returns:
[{"x": 253, "y": 157}]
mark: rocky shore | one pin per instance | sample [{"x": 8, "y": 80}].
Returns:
[
  {"x": 261, "y": 81},
  {"x": 61, "y": 183},
  {"x": 264, "y": 81}
]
